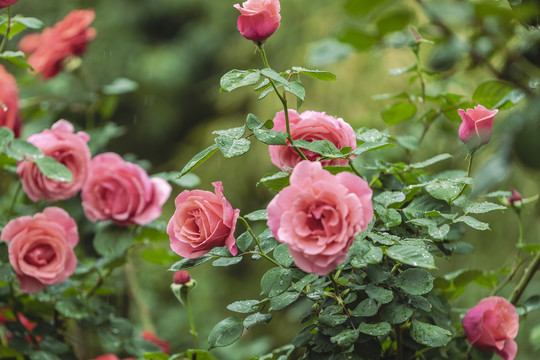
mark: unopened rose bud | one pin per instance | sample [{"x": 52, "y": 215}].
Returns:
[
  {"x": 515, "y": 197},
  {"x": 477, "y": 125},
  {"x": 181, "y": 277}
]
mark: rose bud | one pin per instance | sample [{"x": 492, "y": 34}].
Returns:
[
  {"x": 319, "y": 214},
  {"x": 515, "y": 197},
  {"x": 9, "y": 97},
  {"x": 476, "y": 126},
  {"x": 259, "y": 19},
  {"x": 492, "y": 325},
  {"x": 163, "y": 345},
  {"x": 181, "y": 277},
  {"x": 6, "y": 3}
]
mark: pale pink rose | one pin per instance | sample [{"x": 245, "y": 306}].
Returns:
[
  {"x": 50, "y": 50},
  {"x": 492, "y": 325},
  {"x": 202, "y": 221},
  {"x": 6, "y": 3},
  {"x": 41, "y": 248},
  {"x": 9, "y": 97},
  {"x": 259, "y": 19},
  {"x": 68, "y": 148},
  {"x": 163, "y": 345},
  {"x": 309, "y": 126},
  {"x": 476, "y": 126},
  {"x": 319, "y": 214},
  {"x": 123, "y": 192}
]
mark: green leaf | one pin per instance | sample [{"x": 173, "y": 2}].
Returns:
[
  {"x": 227, "y": 261},
  {"x": 17, "y": 58},
  {"x": 332, "y": 320},
  {"x": 257, "y": 215},
  {"x": 6, "y": 136},
  {"x": 316, "y": 74},
  {"x": 388, "y": 198},
  {"x": 430, "y": 335},
  {"x": 439, "y": 233},
  {"x": 20, "y": 149},
  {"x": 399, "y": 112},
  {"x": 368, "y": 307},
  {"x": 277, "y": 181},
  {"x": 297, "y": 89},
  {"x": 244, "y": 241},
  {"x": 158, "y": 256},
  {"x": 255, "y": 319},
  {"x": 235, "y": 133},
  {"x": 225, "y": 332},
  {"x": 74, "y": 307},
  {"x": 239, "y": 78},
  {"x": 303, "y": 282},
  {"x": 271, "y": 137},
  {"x": 412, "y": 255},
  {"x": 282, "y": 255},
  {"x": 382, "y": 295},
  {"x": 491, "y": 92},
  {"x": 187, "y": 263},
  {"x": 271, "y": 74},
  {"x": 120, "y": 86},
  {"x": 345, "y": 338},
  {"x": 112, "y": 242},
  {"x": 370, "y": 146},
  {"x": 358, "y": 38},
  {"x": 473, "y": 207},
  {"x": 324, "y": 147},
  {"x": 396, "y": 313},
  {"x": 472, "y": 222},
  {"x": 283, "y": 300},
  {"x": 29, "y": 22},
  {"x": 378, "y": 329},
  {"x": 244, "y": 306},
  {"x": 231, "y": 147},
  {"x": 275, "y": 281},
  {"x": 429, "y": 162},
  {"x": 365, "y": 253},
  {"x": 53, "y": 169},
  {"x": 415, "y": 281},
  {"x": 390, "y": 217},
  {"x": 198, "y": 159},
  {"x": 394, "y": 20}
]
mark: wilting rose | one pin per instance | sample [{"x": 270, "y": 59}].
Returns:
[
  {"x": 259, "y": 19},
  {"x": 202, "y": 221},
  {"x": 163, "y": 345},
  {"x": 41, "y": 248},
  {"x": 6, "y": 3},
  {"x": 309, "y": 126},
  {"x": 121, "y": 191},
  {"x": 9, "y": 97},
  {"x": 69, "y": 149},
  {"x": 319, "y": 215},
  {"x": 50, "y": 50},
  {"x": 492, "y": 325},
  {"x": 476, "y": 126},
  {"x": 181, "y": 277}
]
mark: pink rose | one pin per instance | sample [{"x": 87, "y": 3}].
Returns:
[
  {"x": 69, "y": 149},
  {"x": 110, "y": 357},
  {"x": 163, "y": 345},
  {"x": 9, "y": 96},
  {"x": 492, "y": 325},
  {"x": 477, "y": 125},
  {"x": 6, "y": 3},
  {"x": 69, "y": 37},
  {"x": 121, "y": 191},
  {"x": 309, "y": 126},
  {"x": 319, "y": 215},
  {"x": 41, "y": 248},
  {"x": 259, "y": 19},
  {"x": 202, "y": 221}
]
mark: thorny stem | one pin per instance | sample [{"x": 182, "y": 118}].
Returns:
[
  {"x": 192, "y": 328},
  {"x": 282, "y": 98},
  {"x": 469, "y": 167},
  {"x": 256, "y": 238},
  {"x": 515, "y": 267},
  {"x": 6, "y": 36},
  {"x": 527, "y": 276}
]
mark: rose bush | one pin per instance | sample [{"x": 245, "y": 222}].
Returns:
[
  {"x": 68, "y": 148},
  {"x": 259, "y": 19},
  {"x": 309, "y": 126},
  {"x": 9, "y": 97},
  {"x": 121, "y": 191},
  {"x": 319, "y": 215},
  {"x": 41, "y": 248}
]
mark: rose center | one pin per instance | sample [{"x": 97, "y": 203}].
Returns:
[{"x": 40, "y": 255}]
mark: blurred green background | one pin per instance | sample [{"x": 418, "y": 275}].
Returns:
[{"x": 177, "y": 50}]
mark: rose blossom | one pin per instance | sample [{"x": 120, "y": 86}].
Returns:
[
  {"x": 476, "y": 126},
  {"x": 110, "y": 357},
  {"x": 69, "y": 37},
  {"x": 259, "y": 19},
  {"x": 202, "y": 221},
  {"x": 121, "y": 191},
  {"x": 492, "y": 325},
  {"x": 309, "y": 126},
  {"x": 6, "y": 3},
  {"x": 319, "y": 215},
  {"x": 9, "y": 97},
  {"x": 69, "y": 149},
  {"x": 41, "y": 248},
  {"x": 163, "y": 345}
]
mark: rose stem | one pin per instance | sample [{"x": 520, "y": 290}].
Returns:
[
  {"x": 4, "y": 40},
  {"x": 469, "y": 167},
  {"x": 527, "y": 276},
  {"x": 262, "y": 253},
  {"x": 192, "y": 330}
]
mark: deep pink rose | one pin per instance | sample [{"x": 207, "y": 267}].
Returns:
[
  {"x": 6, "y": 3},
  {"x": 69, "y": 149},
  {"x": 309, "y": 126},
  {"x": 163, "y": 345},
  {"x": 121, "y": 191},
  {"x": 477, "y": 125},
  {"x": 319, "y": 215},
  {"x": 9, "y": 97},
  {"x": 259, "y": 19},
  {"x": 492, "y": 325},
  {"x": 41, "y": 248},
  {"x": 49, "y": 50},
  {"x": 110, "y": 357},
  {"x": 202, "y": 221}
]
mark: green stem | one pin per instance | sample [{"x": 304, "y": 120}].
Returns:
[
  {"x": 469, "y": 167},
  {"x": 527, "y": 276},
  {"x": 192, "y": 328},
  {"x": 263, "y": 254},
  {"x": 399, "y": 342},
  {"x": 14, "y": 200},
  {"x": 520, "y": 226},
  {"x": 6, "y": 36},
  {"x": 283, "y": 100}
]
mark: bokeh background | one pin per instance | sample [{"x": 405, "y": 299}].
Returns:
[{"x": 177, "y": 50}]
